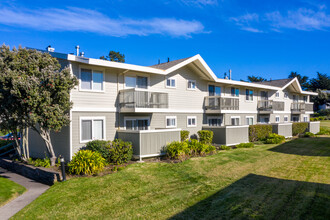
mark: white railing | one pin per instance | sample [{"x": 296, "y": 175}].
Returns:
[
  {"x": 221, "y": 103},
  {"x": 132, "y": 98}
]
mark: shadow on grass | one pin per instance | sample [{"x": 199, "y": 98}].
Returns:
[
  {"x": 319, "y": 146},
  {"x": 262, "y": 197}
]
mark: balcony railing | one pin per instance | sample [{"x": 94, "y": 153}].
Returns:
[
  {"x": 298, "y": 107},
  {"x": 221, "y": 103},
  {"x": 270, "y": 105},
  {"x": 131, "y": 99}
]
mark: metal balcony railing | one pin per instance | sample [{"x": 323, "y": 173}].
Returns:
[
  {"x": 270, "y": 105},
  {"x": 132, "y": 98},
  {"x": 221, "y": 103},
  {"x": 298, "y": 107}
]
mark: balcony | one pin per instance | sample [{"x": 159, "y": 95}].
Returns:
[
  {"x": 301, "y": 108},
  {"x": 269, "y": 106},
  {"x": 132, "y": 100},
  {"x": 216, "y": 104}
]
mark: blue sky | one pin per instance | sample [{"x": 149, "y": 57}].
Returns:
[{"x": 264, "y": 38}]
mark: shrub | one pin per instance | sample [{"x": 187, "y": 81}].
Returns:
[
  {"x": 177, "y": 150},
  {"x": 197, "y": 148},
  {"x": 86, "y": 162},
  {"x": 324, "y": 112},
  {"x": 120, "y": 152},
  {"x": 205, "y": 136},
  {"x": 259, "y": 132},
  {"x": 184, "y": 135},
  {"x": 274, "y": 139},
  {"x": 324, "y": 131},
  {"x": 309, "y": 134},
  {"x": 299, "y": 128},
  {"x": 100, "y": 146},
  {"x": 39, "y": 162},
  {"x": 224, "y": 147},
  {"x": 245, "y": 145}
]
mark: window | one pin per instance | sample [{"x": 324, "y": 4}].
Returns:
[
  {"x": 264, "y": 120},
  {"x": 295, "y": 98},
  {"x": 249, "y": 94},
  {"x": 249, "y": 120},
  {"x": 277, "y": 94},
  {"x": 170, "y": 121},
  {"x": 286, "y": 95},
  {"x": 305, "y": 98},
  {"x": 170, "y": 83},
  {"x": 137, "y": 124},
  {"x": 136, "y": 82},
  {"x": 214, "y": 90},
  {"x": 264, "y": 95},
  {"x": 305, "y": 118},
  {"x": 234, "y": 92},
  {"x": 295, "y": 118},
  {"x": 191, "y": 121},
  {"x": 92, "y": 129},
  {"x": 214, "y": 121},
  {"x": 286, "y": 118},
  {"x": 277, "y": 119},
  {"x": 91, "y": 80},
  {"x": 191, "y": 84},
  {"x": 235, "y": 120}
]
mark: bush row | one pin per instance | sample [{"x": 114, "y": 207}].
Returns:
[{"x": 259, "y": 132}]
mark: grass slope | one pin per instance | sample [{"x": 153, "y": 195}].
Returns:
[
  {"x": 289, "y": 181},
  {"x": 9, "y": 190}
]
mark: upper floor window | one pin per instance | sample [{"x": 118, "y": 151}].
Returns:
[
  {"x": 136, "y": 82},
  {"x": 234, "y": 92},
  {"x": 170, "y": 121},
  {"x": 277, "y": 94},
  {"x": 214, "y": 90},
  {"x": 305, "y": 98},
  {"x": 170, "y": 83},
  {"x": 286, "y": 95},
  {"x": 191, "y": 121},
  {"x": 91, "y": 80},
  {"x": 249, "y": 94},
  {"x": 191, "y": 85}
]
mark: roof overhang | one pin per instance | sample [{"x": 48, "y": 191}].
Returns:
[{"x": 296, "y": 85}]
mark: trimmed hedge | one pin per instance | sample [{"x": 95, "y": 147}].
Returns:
[
  {"x": 205, "y": 136},
  {"x": 259, "y": 132},
  {"x": 299, "y": 128},
  {"x": 184, "y": 135}
]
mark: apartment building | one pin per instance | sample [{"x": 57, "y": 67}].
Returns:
[{"x": 150, "y": 105}]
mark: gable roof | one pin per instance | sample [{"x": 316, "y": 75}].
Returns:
[
  {"x": 167, "y": 65},
  {"x": 277, "y": 83}
]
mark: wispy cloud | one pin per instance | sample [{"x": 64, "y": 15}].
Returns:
[
  {"x": 200, "y": 2},
  {"x": 301, "y": 19},
  {"x": 77, "y": 19}
]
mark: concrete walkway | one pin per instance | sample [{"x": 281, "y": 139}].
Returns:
[{"x": 33, "y": 191}]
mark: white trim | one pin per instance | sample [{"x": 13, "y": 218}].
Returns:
[
  {"x": 281, "y": 112},
  {"x": 70, "y": 144},
  {"x": 191, "y": 117},
  {"x": 278, "y": 92},
  {"x": 131, "y": 118},
  {"x": 92, "y": 118},
  {"x": 309, "y": 112},
  {"x": 239, "y": 120},
  {"x": 138, "y": 110},
  {"x": 249, "y": 95},
  {"x": 279, "y": 119},
  {"x": 230, "y": 95},
  {"x": 239, "y": 112},
  {"x": 305, "y": 116},
  {"x": 237, "y": 126},
  {"x": 171, "y": 126},
  {"x": 135, "y": 76},
  {"x": 150, "y": 131},
  {"x": 192, "y": 80},
  {"x": 82, "y": 109},
  {"x": 287, "y": 95},
  {"x": 249, "y": 116},
  {"x": 170, "y": 78},
  {"x": 92, "y": 69},
  {"x": 286, "y": 122}
]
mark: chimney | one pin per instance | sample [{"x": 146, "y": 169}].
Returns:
[
  {"x": 50, "y": 49},
  {"x": 82, "y": 53},
  {"x": 168, "y": 59},
  {"x": 225, "y": 76},
  {"x": 77, "y": 49},
  {"x": 230, "y": 74},
  {"x": 158, "y": 61}
]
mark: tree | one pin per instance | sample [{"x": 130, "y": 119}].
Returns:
[
  {"x": 322, "y": 82},
  {"x": 321, "y": 99},
  {"x": 114, "y": 56},
  {"x": 303, "y": 80},
  {"x": 256, "y": 79},
  {"x": 40, "y": 92}
]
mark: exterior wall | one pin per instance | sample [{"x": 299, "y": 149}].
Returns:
[
  {"x": 60, "y": 141},
  {"x": 110, "y": 127},
  {"x": 283, "y": 129},
  {"x": 314, "y": 127},
  {"x": 229, "y": 135},
  {"x": 227, "y": 118}
]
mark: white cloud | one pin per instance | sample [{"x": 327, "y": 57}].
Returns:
[
  {"x": 76, "y": 19},
  {"x": 200, "y": 2},
  {"x": 301, "y": 19}
]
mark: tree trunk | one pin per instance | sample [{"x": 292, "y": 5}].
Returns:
[
  {"x": 45, "y": 135},
  {"x": 25, "y": 143},
  {"x": 17, "y": 144}
]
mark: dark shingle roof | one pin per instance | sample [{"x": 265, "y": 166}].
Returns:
[
  {"x": 167, "y": 65},
  {"x": 277, "y": 83}
]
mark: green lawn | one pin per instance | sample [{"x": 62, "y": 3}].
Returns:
[
  {"x": 325, "y": 124},
  {"x": 289, "y": 181},
  {"x": 9, "y": 190}
]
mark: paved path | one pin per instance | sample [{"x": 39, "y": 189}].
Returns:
[{"x": 34, "y": 190}]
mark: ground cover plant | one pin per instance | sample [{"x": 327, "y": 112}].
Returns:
[
  {"x": 286, "y": 181},
  {"x": 274, "y": 139},
  {"x": 86, "y": 162},
  {"x": 9, "y": 190}
]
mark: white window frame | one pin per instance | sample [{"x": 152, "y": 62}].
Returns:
[
  {"x": 222, "y": 89},
  {"x": 91, "y": 90},
  {"x": 306, "y": 98},
  {"x": 286, "y": 95},
  {"x": 92, "y": 119},
  {"x": 287, "y": 117},
  {"x": 191, "y": 117},
  {"x": 249, "y": 95},
  {"x": 234, "y": 96},
  {"x": 277, "y": 117},
  {"x": 136, "y": 118},
  {"x": 265, "y": 117},
  {"x": 135, "y": 76},
  {"x": 305, "y": 116},
  {"x": 277, "y": 93},
  {"x": 215, "y": 118},
  {"x": 170, "y": 78},
  {"x": 239, "y": 120},
  {"x": 191, "y": 80},
  {"x": 171, "y": 126},
  {"x": 246, "y": 117}
]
